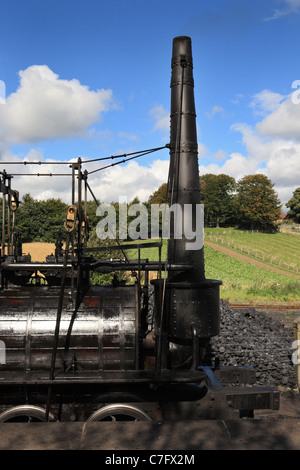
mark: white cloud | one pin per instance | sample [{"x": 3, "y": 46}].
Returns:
[
  {"x": 215, "y": 110},
  {"x": 162, "y": 118},
  {"x": 25, "y": 179},
  {"x": 2, "y": 92},
  {"x": 257, "y": 146},
  {"x": 126, "y": 136},
  {"x": 265, "y": 101},
  {"x": 272, "y": 147},
  {"x": 237, "y": 166},
  {"x": 237, "y": 99},
  {"x": 202, "y": 150},
  {"x": 288, "y": 7},
  {"x": 219, "y": 155},
  {"x": 6, "y": 154},
  {"x": 284, "y": 122},
  {"x": 292, "y": 5},
  {"x": 129, "y": 180},
  {"x": 45, "y": 106},
  {"x": 277, "y": 158},
  {"x": 283, "y": 167}
]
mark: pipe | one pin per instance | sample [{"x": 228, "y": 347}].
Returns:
[
  {"x": 188, "y": 297},
  {"x": 184, "y": 183}
]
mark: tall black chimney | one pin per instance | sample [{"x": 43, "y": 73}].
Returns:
[
  {"x": 184, "y": 183},
  {"x": 189, "y": 313}
]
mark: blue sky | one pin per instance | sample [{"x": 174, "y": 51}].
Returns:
[{"x": 91, "y": 79}]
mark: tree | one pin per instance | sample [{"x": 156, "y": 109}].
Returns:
[
  {"x": 294, "y": 205},
  {"x": 257, "y": 202},
  {"x": 217, "y": 195},
  {"x": 54, "y": 214},
  {"x": 29, "y": 219},
  {"x": 39, "y": 220},
  {"x": 91, "y": 208},
  {"x": 160, "y": 196}
]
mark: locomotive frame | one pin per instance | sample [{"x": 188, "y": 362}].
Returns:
[{"x": 83, "y": 352}]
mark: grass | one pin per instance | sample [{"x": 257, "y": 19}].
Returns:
[
  {"x": 279, "y": 249},
  {"x": 245, "y": 281},
  {"x": 240, "y": 279},
  {"x": 149, "y": 253}
]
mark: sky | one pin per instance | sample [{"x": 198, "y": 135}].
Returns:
[{"x": 90, "y": 79}]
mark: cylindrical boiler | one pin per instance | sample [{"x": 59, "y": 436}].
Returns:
[{"x": 103, "y": 331}]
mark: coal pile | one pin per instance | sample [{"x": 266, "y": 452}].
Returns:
[{"x": 251, "y": 338}]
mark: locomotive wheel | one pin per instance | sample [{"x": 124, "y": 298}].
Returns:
[
  {"x": 25, "y": 413},
  {"x": 119, "y": 412}
]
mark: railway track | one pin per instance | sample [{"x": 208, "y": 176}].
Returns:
[
  {"x": 287, "y": 313},
  {"x": 287, "y": 307}
]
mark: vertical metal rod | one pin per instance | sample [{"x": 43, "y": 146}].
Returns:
[
  {"x": 175, "y": 176},
  {"x": 137, "y": 325},
  {"x": 57, "y": 326},
  {"x": 161, "y": 301},
  {"x": 74, "y": 165},
  {"x": 8, "y": 215},
  {"x": 79, "y": 211},
  {"x": 13, "y": 221},
  {"x": 159, "y": 275},
  {"x": 85, "y": 208},
  {"x": 85, "y": 193},
  {"x": 3, "y": 214},
  {"x": 59, "y": 309},
  {"x": 73, "y": 183},
  {"x": 139, "y": 264},
  {"x": 79, "y": 292}
]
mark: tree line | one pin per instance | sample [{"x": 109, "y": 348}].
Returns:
[{"x": 251, "y": 203}]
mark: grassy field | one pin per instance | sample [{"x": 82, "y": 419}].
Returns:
[
  {"x": 241, "y": 280},
  {"x": 244, "y": 281},
  {"x": 278, "y": 249}
]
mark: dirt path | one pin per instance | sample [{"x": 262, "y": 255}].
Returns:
[{"x": 249, "y": 260}]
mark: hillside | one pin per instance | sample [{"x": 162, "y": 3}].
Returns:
[
  {"x": 280, "y": 250},
  {"x": 257, "y": 266}
]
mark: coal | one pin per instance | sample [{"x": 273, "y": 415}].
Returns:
[{"x": 253, "y": 338}]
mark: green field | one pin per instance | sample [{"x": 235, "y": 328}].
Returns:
[
  {"x": 242, "y": 280},
  {"x": 280, "y": 250}
]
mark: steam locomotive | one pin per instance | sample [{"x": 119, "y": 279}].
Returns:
[{"x": 71, "y": 350}]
